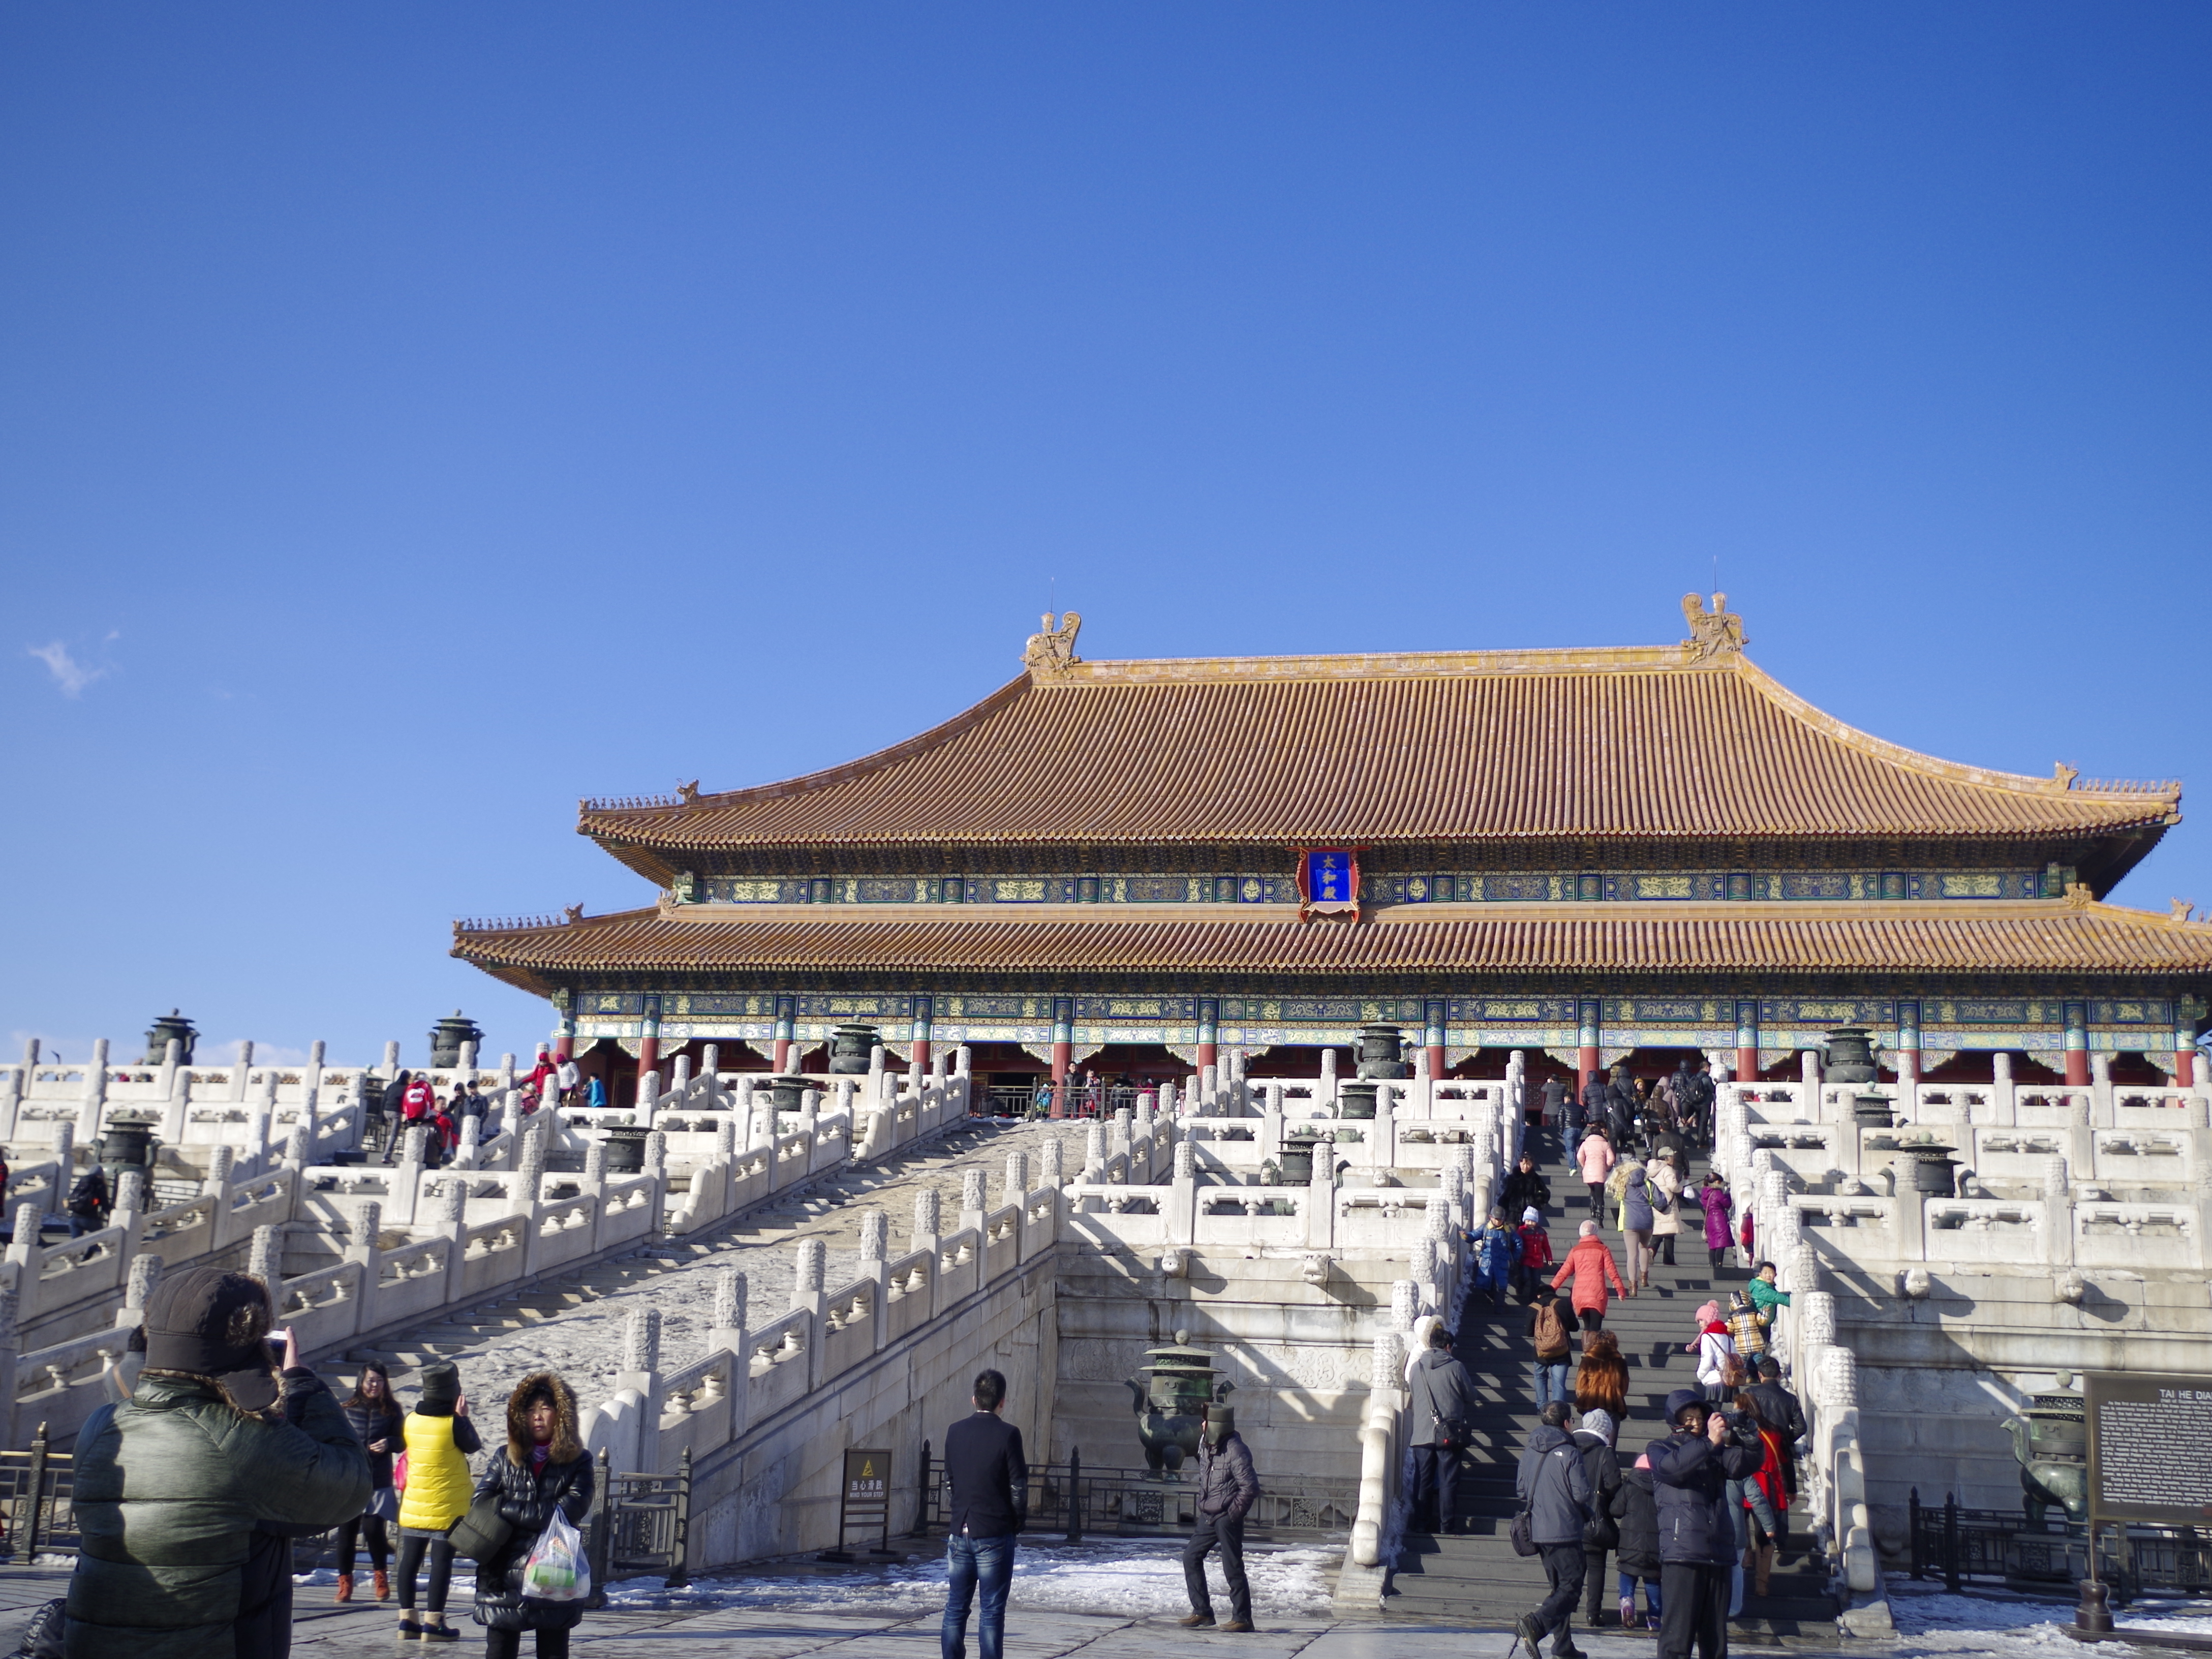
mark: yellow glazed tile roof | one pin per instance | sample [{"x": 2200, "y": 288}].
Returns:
[
  {"x": 1979, "y": 938},
  {"x": 1673, "y": 742}
]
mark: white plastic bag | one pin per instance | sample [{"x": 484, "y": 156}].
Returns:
[{"x": 557, "y": 1570}]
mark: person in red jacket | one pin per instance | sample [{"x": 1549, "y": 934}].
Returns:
[
  {"x": 1535, "y": 1253},
  {"x": 538, "y": 1086},
  {"x": 1591, "y": 1266},
  {"x": 416, "y": 1105}
]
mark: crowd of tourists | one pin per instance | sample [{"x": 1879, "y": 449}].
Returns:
[
  {"x": 411, "y": 1101},
  {"x": 190, "y": 1493},
  {"x": 1699, "y": 1515}
]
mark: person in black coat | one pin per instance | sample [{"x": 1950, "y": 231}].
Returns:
[
  {"x": 542, "y": 1469},
  {"x": 387, "y": 1111},
  {"x": 1602, "y": 1532},
  {"x": 1690, "y": 1472},
  {"x": 989, "y": 1475},
  {"x": 88, "y": 1203},
  {"x": 378, "y": 1423},
  {"x": 1525, "y": 1190},
  {"x": 1636, "y": 1512}
]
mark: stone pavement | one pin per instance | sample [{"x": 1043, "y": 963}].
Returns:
[
  {"x": 758, "y": 1634},
  {"x": 322, "y": 1630}
]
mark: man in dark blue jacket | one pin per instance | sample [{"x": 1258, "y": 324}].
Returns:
[
  {"x": 1690, "y": 1472},
  {"x": 990, "y": 1482},
  {"x": 1552, "y": 1483}
]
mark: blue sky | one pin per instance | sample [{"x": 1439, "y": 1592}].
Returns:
[{"x": 413, "y": 418}]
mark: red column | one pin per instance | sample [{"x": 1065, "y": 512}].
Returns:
[
  {"x": 648, "y": 1048},
  {"x": 2077, "y": 1045},
  {"x": 1209, "y": 1032},
  {"x": 1433, "y": 1017},
  {"x": 787, "y": 1031},
  {"x": 1063, "y": 1051},
  {"x": 918, "y": 1038},
  {"x": 2184, "y": 1067},
  {"x": 1747, "y": 1040}
]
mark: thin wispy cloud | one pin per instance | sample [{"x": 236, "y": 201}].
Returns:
[{"x": 71, "y": 675}]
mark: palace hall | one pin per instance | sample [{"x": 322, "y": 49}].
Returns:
[{"x": 1618, "y": 853}]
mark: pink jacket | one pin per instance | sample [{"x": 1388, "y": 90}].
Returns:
[{"x": 1596, "y": 1158}]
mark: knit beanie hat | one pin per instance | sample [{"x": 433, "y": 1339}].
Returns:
[
  {"x": 441, "y": 1390},
  {"x": 1706, "y": 1313},
  {"x": 213, "y": 1323},
  {"x": 1600, "y": 1422},
  {"x": 1530, "y": 1215}
]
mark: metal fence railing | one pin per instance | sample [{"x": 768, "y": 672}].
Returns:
[
  {"x": 638, "y": 1524},
  {"x": 1080, "y": 1500},
  {"x": 1956, "y": 1544},
  {"x": 37, "y": 1516}
]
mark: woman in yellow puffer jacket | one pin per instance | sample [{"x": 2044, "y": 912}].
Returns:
[{"x": 440, "y": 1440}]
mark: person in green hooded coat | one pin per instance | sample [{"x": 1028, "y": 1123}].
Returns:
[{"x": 188, "y": 1494}]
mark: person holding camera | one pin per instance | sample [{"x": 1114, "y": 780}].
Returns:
[
  {"x": 1690, "y": 1470},
  {"x": 187, "y": 1493}
]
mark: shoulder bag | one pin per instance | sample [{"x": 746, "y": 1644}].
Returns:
[
  {"x": 483, "y": 1532},
  {"x": 1524, "y": 1533}
]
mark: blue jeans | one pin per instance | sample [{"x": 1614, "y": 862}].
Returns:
[
  {"x": 1652, "y": 1597},
  {"x": 1551, "y": 1382},
  {"x": 973, "y": 1563}
]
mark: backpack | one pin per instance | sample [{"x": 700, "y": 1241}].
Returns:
[{"x": 1551, "y": 1332}]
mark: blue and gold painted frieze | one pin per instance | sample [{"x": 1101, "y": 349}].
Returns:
[
  {"x": 1611, "y": 887},
  {"x": 1781, "y": 1023}
]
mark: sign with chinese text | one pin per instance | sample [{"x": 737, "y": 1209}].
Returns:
[
  {"x": 1329, "y": 882},
  {"x": 864, "y": 1508}
]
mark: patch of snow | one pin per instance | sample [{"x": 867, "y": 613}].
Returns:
[
  {"x": 1130, "y": 1578},
  {"x": 1935, "y": 1622}
]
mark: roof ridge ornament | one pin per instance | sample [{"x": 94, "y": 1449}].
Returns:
[
  {"x": 1715, "y": 633},
  {"x": 1051, "y": 652}
]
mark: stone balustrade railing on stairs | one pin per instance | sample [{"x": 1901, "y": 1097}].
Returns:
[
  {"x": 494, "y": 1220},
  {"x": 1990, "y": 1233},
  {"x": 2110, "y": 1178},
  {"x": 245, "y": 1106},
  {"x": 1466, "y": 1191},
  {"x": 751, "y": 1373}
]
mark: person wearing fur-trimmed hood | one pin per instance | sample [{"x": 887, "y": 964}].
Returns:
[{"x": 542, "y": 1469}]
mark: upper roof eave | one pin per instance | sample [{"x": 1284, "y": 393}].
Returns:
[{"x": 2037, "y": 807}]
